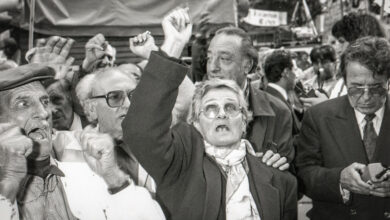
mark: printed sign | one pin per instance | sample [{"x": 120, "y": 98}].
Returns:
[{"x": 266, "y": 18}]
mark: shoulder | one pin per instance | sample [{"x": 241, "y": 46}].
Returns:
[
  {"x": 266, "y": 103},
  {"x": 277, "y": 104},
  {"x": 329, "y": 107},
  {"x": 280, "y": 179}
]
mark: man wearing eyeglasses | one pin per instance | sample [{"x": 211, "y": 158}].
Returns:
[
  {"x": 340, "y": 137},
  {"x": 105, "y": 97}
]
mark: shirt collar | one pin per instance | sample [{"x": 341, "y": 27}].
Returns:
[
  {"x": 279, "y": 89},
  {"x": 44, "y": 168},
  {"x": 378, "y": 115},
  {"x": 76, "y": 124}
]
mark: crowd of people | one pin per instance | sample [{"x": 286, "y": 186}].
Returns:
[{"x": 233, "y": 136}]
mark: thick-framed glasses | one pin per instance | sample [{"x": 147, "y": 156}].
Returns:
[
  {"x": 358, "y": 91},
  {"x": 212, "y": 111},
  {"x": 115, "y": 98}
]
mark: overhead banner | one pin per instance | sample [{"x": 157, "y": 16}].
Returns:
[
  {"x": 114, "y": 17},
  {"x": 266, "y": 18}
]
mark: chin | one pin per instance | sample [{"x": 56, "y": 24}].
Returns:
[
  {"x": 224, "y": 142},
  {"x": 368, "y": 110}
]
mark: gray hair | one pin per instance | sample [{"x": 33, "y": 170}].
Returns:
[
  {"x": 204, "y": 87},
  {"x": 85, "y": 87}
]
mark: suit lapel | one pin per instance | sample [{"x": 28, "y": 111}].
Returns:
[
  {"x": 345, "y": 131},
  {"x": 213, "y": 189},
  {"x": 382, "y": 150},
  {"x": 259, "y": 103},
  {"x": 277, "y": 94},
  {"x": 265, "y": 195}
]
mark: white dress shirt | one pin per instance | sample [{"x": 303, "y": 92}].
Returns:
[
  {"x": 377, "y": 121},
  {"x": 89, "y": 198}
]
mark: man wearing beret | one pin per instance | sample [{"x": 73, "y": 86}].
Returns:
[
  {"x": 28, "y": 174},
  {"x": 31, "y": 184}
]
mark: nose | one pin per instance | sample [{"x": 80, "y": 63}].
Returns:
[
  {"x": 221, "y": 114},
  {"x": 126, "y": 102},
  {"x": 366, "y": 95},
  {"x": 41, "y": 112},
  {"x": 214, "y": 64}
]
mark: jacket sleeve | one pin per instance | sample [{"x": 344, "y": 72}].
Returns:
[
  {"x": 319, "y": 183},
  {"x": 290, "y": 208},
  {"x": 283, "y": 134},
  {"x": 146, "y": 127}
]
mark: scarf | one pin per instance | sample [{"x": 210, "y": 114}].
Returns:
[{"x": 239, "y": 201}]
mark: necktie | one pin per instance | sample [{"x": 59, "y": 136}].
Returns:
[{"x": 369, "y": 136}]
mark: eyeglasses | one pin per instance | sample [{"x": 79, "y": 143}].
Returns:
[
  {"x": 115, "y": 98},
  {"x": 358, "y": 91},
  {"x": 212, "y": 111}
]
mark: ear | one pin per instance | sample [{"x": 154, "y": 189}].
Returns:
[
  {"x": 243, "y": 124},
  {"x": 285, "y": 73},
  {"x": 196, "y": 125},
  {"x": 89, "y": 107},
  {"x": 248, "y": 63}
]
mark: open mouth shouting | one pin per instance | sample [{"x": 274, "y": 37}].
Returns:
[
  {"x": 222, "y": 128},
  {"x": 38, "y": 131}
]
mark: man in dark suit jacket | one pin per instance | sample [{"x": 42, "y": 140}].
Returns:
[
  {"x": 278, "y": 68},
  {"x": 341, "y": 136}
]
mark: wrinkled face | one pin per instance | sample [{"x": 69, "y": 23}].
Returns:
[
  {"x": 28, "y": 106},
  {"x": 225, "y": 61},
  {"x": 370, "y": 99},
  {"x": 222, "y": 131},
  {"x": 62, "y": 109},
  {"x": 109, "y": 118}
]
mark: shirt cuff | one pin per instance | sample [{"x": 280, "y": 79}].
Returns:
[
  {"x": 120, "y": 188},
  {"x": 345, "y": 194}
]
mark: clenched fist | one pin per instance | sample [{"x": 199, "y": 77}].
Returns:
[
  {"x": 98, "y": 149},
  {"x": 142, "y": 45},
  {"x": 14, "y": 148}
]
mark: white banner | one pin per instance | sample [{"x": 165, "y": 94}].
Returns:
[{"x": 266, "y": 18}]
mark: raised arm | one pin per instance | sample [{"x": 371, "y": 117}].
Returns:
[{"x": 146, "y": 128}]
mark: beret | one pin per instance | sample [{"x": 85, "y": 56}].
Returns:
[{"x": 15, "y": 77}]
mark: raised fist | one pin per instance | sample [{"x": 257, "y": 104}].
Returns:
[
  {"x": 98, "y": 149},
  {"x": 142, "y": 45},
  {"x": 177, "y": 28},
  {"x": 96, "y": 50}
]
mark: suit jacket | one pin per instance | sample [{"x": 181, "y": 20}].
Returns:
[
  {"x": 190, "y": 184},
  {"x": 277, "y": 94},
  {"x": 329, "y": 141},
  {"x": 271, "y": 127}
]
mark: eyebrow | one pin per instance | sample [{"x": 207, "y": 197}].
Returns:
[
  {"x": 214, "y": 99},
  {"x": 221, "y": 52},
  {"x": 24, "y": 97}
]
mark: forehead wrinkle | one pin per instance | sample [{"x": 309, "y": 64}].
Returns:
[{"x": 27, "y": 91}]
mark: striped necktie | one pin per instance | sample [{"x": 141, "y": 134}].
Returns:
[{"x": 369, "y": 136}]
